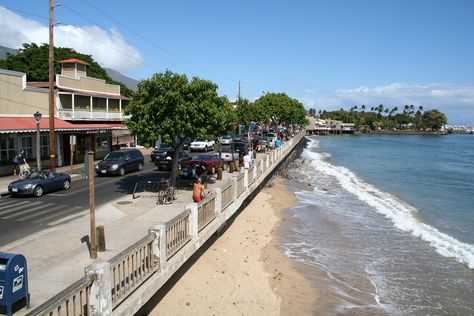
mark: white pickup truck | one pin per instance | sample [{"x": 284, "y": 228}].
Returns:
[{"x": 201, "y": 145}]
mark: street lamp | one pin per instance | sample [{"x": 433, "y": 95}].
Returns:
[{"x": 37, "y": 116}]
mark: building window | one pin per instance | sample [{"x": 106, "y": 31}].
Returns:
[
  {"x": 44, "y": 149},
  {"x": 26, "y": 144},
  {"x": 102, "y": 143},
  {"x": 7, "y": 148}
]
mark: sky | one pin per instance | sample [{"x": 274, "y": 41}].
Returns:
[{"x": 327, "y": 54}]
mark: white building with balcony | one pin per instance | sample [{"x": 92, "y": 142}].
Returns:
[{"x": 88, "y": 108}]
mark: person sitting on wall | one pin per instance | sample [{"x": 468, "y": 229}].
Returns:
[{"x": 198, "y": 191}]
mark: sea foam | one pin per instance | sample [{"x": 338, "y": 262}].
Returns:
[{"x": 399, "y": 212}]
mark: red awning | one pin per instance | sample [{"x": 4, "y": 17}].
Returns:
[{"x": 28, "y": 125}]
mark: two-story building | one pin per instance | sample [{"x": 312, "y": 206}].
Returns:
[{"x": 87, "y": 108}]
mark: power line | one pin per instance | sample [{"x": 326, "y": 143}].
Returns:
[
  {"x": 151, "y": 67},
  {"x": 27, "y": 13},
  {"x": 156, "y": 45},
  {"x": 147, "y": 52}
]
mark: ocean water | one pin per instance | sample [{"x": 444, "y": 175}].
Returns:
[{"x": 389, "y": 220}]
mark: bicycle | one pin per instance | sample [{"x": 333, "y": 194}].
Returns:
[
  {"x": 25, "y": 171},
  {"x": 167, "y": 193}
]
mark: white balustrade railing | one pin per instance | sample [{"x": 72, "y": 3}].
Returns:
[{"x": 76, "y": 114}]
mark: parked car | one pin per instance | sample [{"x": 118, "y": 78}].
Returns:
[
  {"x": 227, "y": 154},
  {"x": 240, "y": 147},
  {"x": 162, "y": 148},
  {"x": 211, "y": 162},
  {"x": 202, "y": 145},
  {"x": 193, "y": 171},
  {"x": 226, "y": 140},
  {"x": 187, "y": 143},
  {"x": 164, "y": 161},
  {"x": 120, "y": 161},
  {"x": 40, "y": 182}
]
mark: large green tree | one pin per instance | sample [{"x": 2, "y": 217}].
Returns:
[
  {"x": 433, "y": 119},
  {"x": 247, "y": 112},
  {"x": 33, "y": 60},
  {"x": 281, "y": 109},
  {"x": 173, "y": 107}
]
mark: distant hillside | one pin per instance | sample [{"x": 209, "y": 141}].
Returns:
[
  {"x": 117, "y": 76},
  {"x": 5, "y": 50}
]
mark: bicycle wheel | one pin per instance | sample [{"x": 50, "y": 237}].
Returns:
[
  {"x": 23, "y": 174},
  {"x": 160, "y": 197},
  {"x": 167, "y": 197}
]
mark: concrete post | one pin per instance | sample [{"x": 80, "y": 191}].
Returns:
[
  {"x": 234, "y": 188},
  {"x": 193, "y": 219},
  {"x": 101, "y": 290},
  {"x": 218, "y": 200},
  {"x": 161, "y": 243},
  {"x": 157, "y": 249},
  {"x": 246, "y": 179}
]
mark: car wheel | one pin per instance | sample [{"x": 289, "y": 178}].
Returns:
[
  {"x": 66, "y": 185},
  {"x": 158, "y": 168},
  {"x": 38, "y": 191},
  {"x": 213, "y": 170},
  {"x": 140, "y": 167},
  {"x": 121, "y": 171}
]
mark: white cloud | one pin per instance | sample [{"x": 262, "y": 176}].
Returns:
[
  {"x": 107, "y": 47},
  {"x": 456, "y": 101}
]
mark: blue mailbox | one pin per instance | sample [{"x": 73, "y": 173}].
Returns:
[{"x": 13, "y": 280}]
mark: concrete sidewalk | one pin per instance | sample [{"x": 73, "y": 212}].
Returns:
[{"x": 57, "y": 256}]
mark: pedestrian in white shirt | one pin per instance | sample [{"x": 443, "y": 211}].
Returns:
[{"x": 247, "y": 160}]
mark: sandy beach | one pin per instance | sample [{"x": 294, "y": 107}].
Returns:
[{"x": 243, "y": 272}]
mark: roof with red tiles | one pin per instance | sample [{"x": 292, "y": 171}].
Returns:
[{"x": 73, "y": 60}]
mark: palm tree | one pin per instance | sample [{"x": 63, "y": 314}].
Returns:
[
  {"x": 363, "y": 108},
  {"x": 394, "y": 110},
  {"x": 420, "y": 108},
  {"x": 406, "y": 108},
  {"x": 380, "y": 108}
]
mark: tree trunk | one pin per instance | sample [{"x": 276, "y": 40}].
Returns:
[{"x": 174, "y": 168}]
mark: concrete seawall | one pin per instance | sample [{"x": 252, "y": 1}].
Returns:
[{"x": 146, "y": 291}]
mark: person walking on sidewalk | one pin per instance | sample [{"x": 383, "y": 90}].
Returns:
[
  {"x": 247, "y": 160},
  {"x": 18, "y": 161}
]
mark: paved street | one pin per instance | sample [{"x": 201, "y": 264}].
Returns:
[{"x": 21, "y": 216}]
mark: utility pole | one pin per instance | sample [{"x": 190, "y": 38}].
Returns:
[
  {"x": 52, "y": 143},
  {"x": 238, "y": 100},
  {"x": 93, "y": 251}
]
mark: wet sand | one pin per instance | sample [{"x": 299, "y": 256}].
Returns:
[{"x": 244, "y": 271}]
